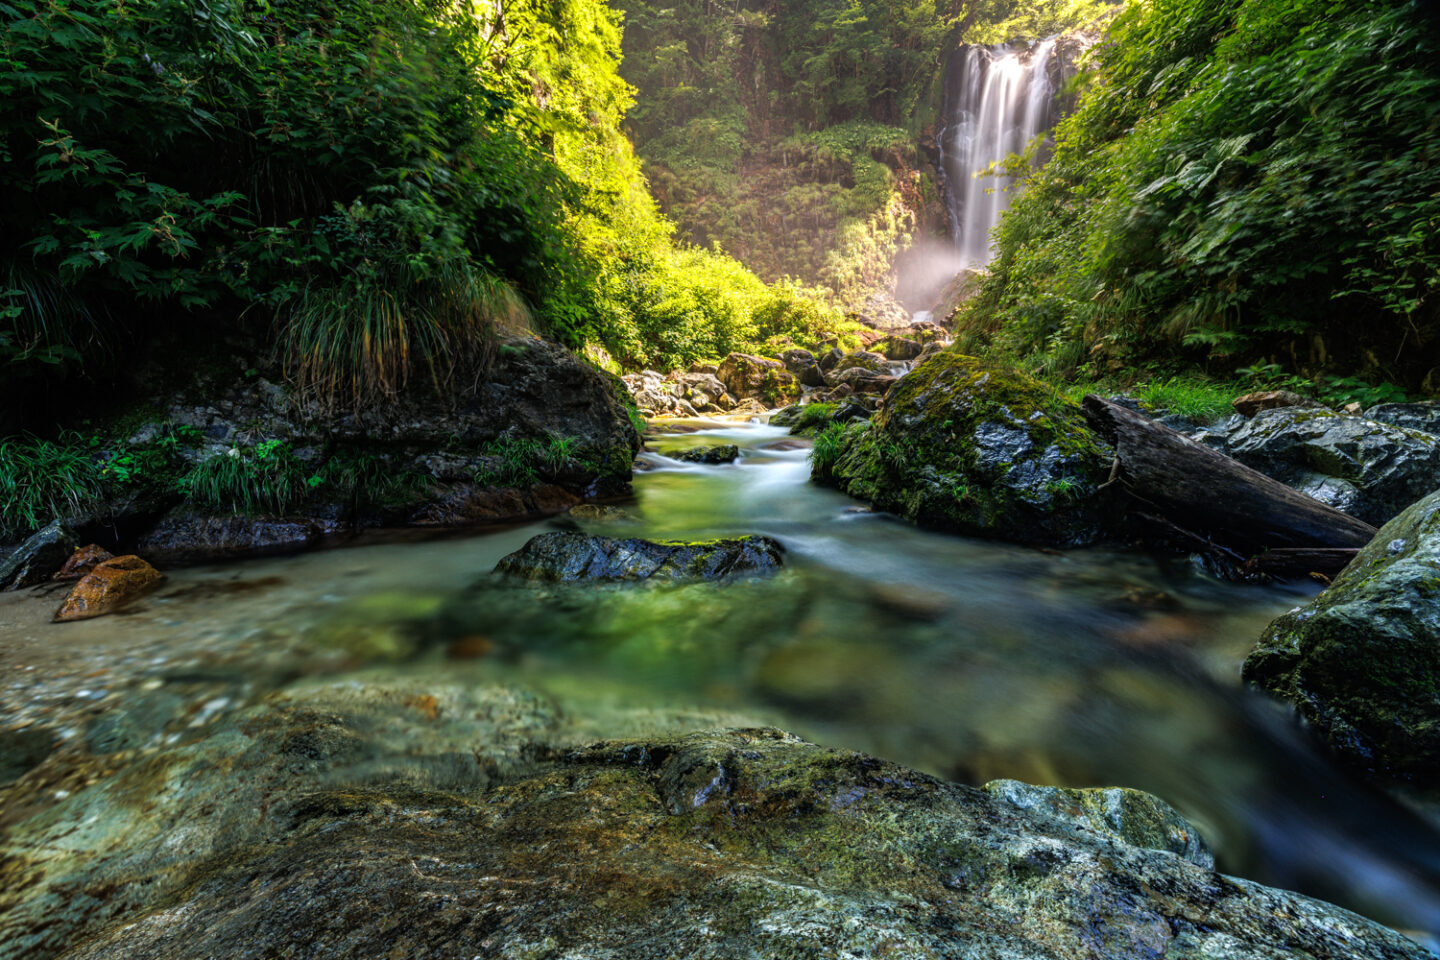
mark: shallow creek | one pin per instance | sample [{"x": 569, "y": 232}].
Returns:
[{"x": 966, "y": 659}]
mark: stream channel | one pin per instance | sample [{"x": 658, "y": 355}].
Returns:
[{"x": 967, "y": 659}]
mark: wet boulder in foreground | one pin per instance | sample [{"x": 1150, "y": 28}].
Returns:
[
  {"x": 1361, "y": 662},
  {"x": 569, "y": 556},
  {"x": 965, "y": 445},
  {"x": 722, "y": 844}
]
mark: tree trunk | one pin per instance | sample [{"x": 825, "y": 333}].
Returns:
[{"x": 1206, "y": 493}]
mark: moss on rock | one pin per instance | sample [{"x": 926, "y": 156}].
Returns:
[
  {"x": 1361, "y": 662},
  {"x": 965, "y": 445}
]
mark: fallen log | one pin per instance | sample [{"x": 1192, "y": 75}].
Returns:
[
  {"x": 1291, "y": 562},
  {"x": 1218, "y": 498}
]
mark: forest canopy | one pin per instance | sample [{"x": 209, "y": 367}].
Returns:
[{"x": 374, "y": 186}]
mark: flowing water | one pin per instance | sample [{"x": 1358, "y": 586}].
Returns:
[
  {"x": 971, "y": 660},
  {"x": 997, "y": 100}
]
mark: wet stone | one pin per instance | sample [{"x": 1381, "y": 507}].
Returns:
[
  {"x": 567, "y": 556},
  {"x": 715, "y": 454}
]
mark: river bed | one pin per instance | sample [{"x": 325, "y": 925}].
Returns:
[{"x": 967, "y": 659}]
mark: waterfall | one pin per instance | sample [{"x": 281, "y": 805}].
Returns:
[{"x": 997, "y": 99}]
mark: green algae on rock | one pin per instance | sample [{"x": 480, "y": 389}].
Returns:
[
  {"x": 968, "y": 446},
  {"x": 1361, "y": 662},
  {"x": 714, "y": 454},
  {"x": 484, "y": 827},
  {"x": 567, "y": 556}
]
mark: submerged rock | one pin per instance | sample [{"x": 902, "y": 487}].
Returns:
[
  {"x": 364, "y": 821},
  {"x": 713, "y": 454},
  {"x": 38, "y": 558},
  {"x": 964, "y": 445},
  {"x": 1374, "y": 470},
  {"x": 1361, "y": 662},
  {"x": 109, "y": 587},
  {"x": 568, "y": 556}
]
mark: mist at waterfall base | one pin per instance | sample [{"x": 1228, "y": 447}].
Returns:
[{"x": 997, "y": 100}]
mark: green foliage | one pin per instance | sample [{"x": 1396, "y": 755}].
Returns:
[
  {"x": 266, "y": 478},
  {"x": 42, "y": 480},
  {"x": 831, "y": 444},
  {"x": 523, "y": 461},
  {"x": 1243, "y": 181}
]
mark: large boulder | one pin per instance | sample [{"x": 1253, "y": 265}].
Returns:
[
  {"x": 806, "y": 368},
  {"x": 964, "y": 445},
  {"x": 38, "y": 558},
  {"x": 749, "y": 377},
  {"x": 900, "y": 348},
  {"x": 568, "y": 556},
  {"x": 446, "y": 821},
  {"x": 864, "y": 380},
  {"x": 1361, "y": 662},
  {"x": 1361, "y": 466},
  {"x": 863, "y": 360}
]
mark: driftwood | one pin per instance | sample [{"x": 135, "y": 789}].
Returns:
[{"x": 1218, "y": 500}]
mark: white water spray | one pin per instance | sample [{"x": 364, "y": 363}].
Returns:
[{"x": 997, "y": 99}]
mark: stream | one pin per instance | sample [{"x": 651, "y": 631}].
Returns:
[{"x": 967, "y": 659}]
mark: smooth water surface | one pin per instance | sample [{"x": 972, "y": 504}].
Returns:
[{"x": 968, "y": 659}]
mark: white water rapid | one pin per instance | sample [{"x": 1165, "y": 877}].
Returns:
[{"x": 997, "y": 99}]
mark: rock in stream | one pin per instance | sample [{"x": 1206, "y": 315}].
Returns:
[
  {"x": 568, "y": 556},
  {"x": 354, "y": 820}
]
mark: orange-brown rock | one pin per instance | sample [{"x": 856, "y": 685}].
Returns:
[
  {"x": 82, "y": 561},
  {"x": 112, "y": 584},
  {"x": 1252, "y": 403}
]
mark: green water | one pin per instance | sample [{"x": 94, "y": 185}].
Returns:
[{"x": 967, "y": 659}]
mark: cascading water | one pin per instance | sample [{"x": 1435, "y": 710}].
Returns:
[{"x": 997, "y": 99}]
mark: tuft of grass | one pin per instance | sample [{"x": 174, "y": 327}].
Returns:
[
  {"x": 830, "y": 445},
  {"x": 1196, "y": 399},
  {"x": 264, "y": 479},
  {"x": 521, "y": 461},
  {"x": 814, "y": 417},
  {"x": 43, "y": 480},
  {"x": 365, "y": 480},
  {"x": 361, "y": 341}
]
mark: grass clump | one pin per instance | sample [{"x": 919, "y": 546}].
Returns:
[
  {"x": 522, "y": 461},
  {"x": 42, "y": 480},
  {"x": 831, "y": 444},
  {"x": 361, "y": 341},
  {"x": 264, "y": 479}
]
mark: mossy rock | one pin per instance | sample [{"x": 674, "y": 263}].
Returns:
[
  {"x": 435, "y": 822},
  {"x": 569, "y": 556},
  {"x": 968, "y": 446},
  {"x": 1361, "y": 662}
]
